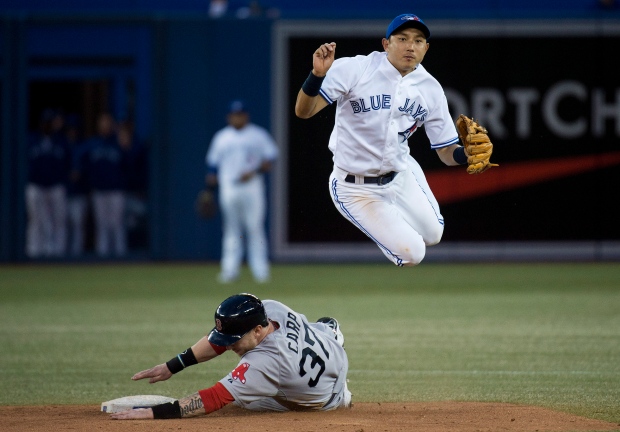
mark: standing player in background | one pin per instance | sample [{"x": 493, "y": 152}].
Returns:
[
  {"x": 49, "y": 162},
  {"x": 77, "y": 188},
  {"x": 382, "y": 98},
  {"x": 105, "y": 164},
  {"x": 238, "y": 156},
  {"x": 286, "y": 363},
  {"x": 136, "y": 186}
]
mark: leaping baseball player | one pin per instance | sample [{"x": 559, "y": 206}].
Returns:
[
  {"x": 382, "y": 99},
  {"x": 287, "y": 363}
]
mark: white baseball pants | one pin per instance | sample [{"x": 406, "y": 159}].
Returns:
[
  {"x": 243, "y": 210},
  {"x": 109, "y": 212},
  {"x": 401, "y": 217},
  {"x": 46, "y": 232}
]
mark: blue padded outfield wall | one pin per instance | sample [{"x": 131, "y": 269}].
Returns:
[
  {"x": 172, "y": 70},
  {"x": 183, "y": 73}
]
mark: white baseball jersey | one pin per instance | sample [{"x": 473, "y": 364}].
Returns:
[
  {"x": 238, "y": 151},
  {"x": 300, "y": 366},
  {"x": 378, "y": 110}
]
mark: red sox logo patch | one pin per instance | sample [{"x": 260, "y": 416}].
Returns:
[{"x": 239, "y": 372}]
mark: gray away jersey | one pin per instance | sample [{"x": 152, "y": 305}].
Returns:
[{"x": 300, "y": 366}]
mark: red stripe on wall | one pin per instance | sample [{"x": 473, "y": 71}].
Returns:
[{"x": 454, "y": 185}]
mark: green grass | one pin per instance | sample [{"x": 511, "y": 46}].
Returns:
[{"x": 539, "y": 334}]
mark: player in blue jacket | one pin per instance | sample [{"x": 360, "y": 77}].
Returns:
[
  {"x": 49, "y": 162},
  {"x": 105, "y": 164}
]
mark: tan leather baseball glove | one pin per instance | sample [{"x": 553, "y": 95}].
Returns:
[{"x": 478, "y": 146}]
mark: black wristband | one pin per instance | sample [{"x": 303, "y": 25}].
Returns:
[
  {"x": 312, "y": 85},
  {"x": 183, "y": 360},
  {"x": 459, "y": 155},
  {"x": 170, "y": 410}
]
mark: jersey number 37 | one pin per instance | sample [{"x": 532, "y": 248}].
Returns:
[{"x": 317, "y": 360}]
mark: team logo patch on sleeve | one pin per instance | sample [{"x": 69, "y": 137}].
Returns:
[{"x": 239, "y": 372}]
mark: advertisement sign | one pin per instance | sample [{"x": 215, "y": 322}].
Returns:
[{"x": 552, "y": 109}]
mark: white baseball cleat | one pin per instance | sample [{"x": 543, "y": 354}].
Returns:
[
  {"x": 333, "y": 324},
  {"x": 347, "y": 397}
]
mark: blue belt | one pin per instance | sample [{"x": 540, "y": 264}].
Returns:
[{"x": 380, "y": 180}]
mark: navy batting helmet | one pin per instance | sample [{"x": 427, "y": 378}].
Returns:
[{"x": 236, "y": 316}]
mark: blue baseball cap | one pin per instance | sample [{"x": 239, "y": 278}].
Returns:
[
  {"x": 237, "y": 106},
  {"x": 405, "y": 21}
]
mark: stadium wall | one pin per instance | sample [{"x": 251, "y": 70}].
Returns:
[{"x": 177, "y": 72}]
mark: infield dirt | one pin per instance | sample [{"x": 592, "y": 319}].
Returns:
[{"x": 363, "y": 417}]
